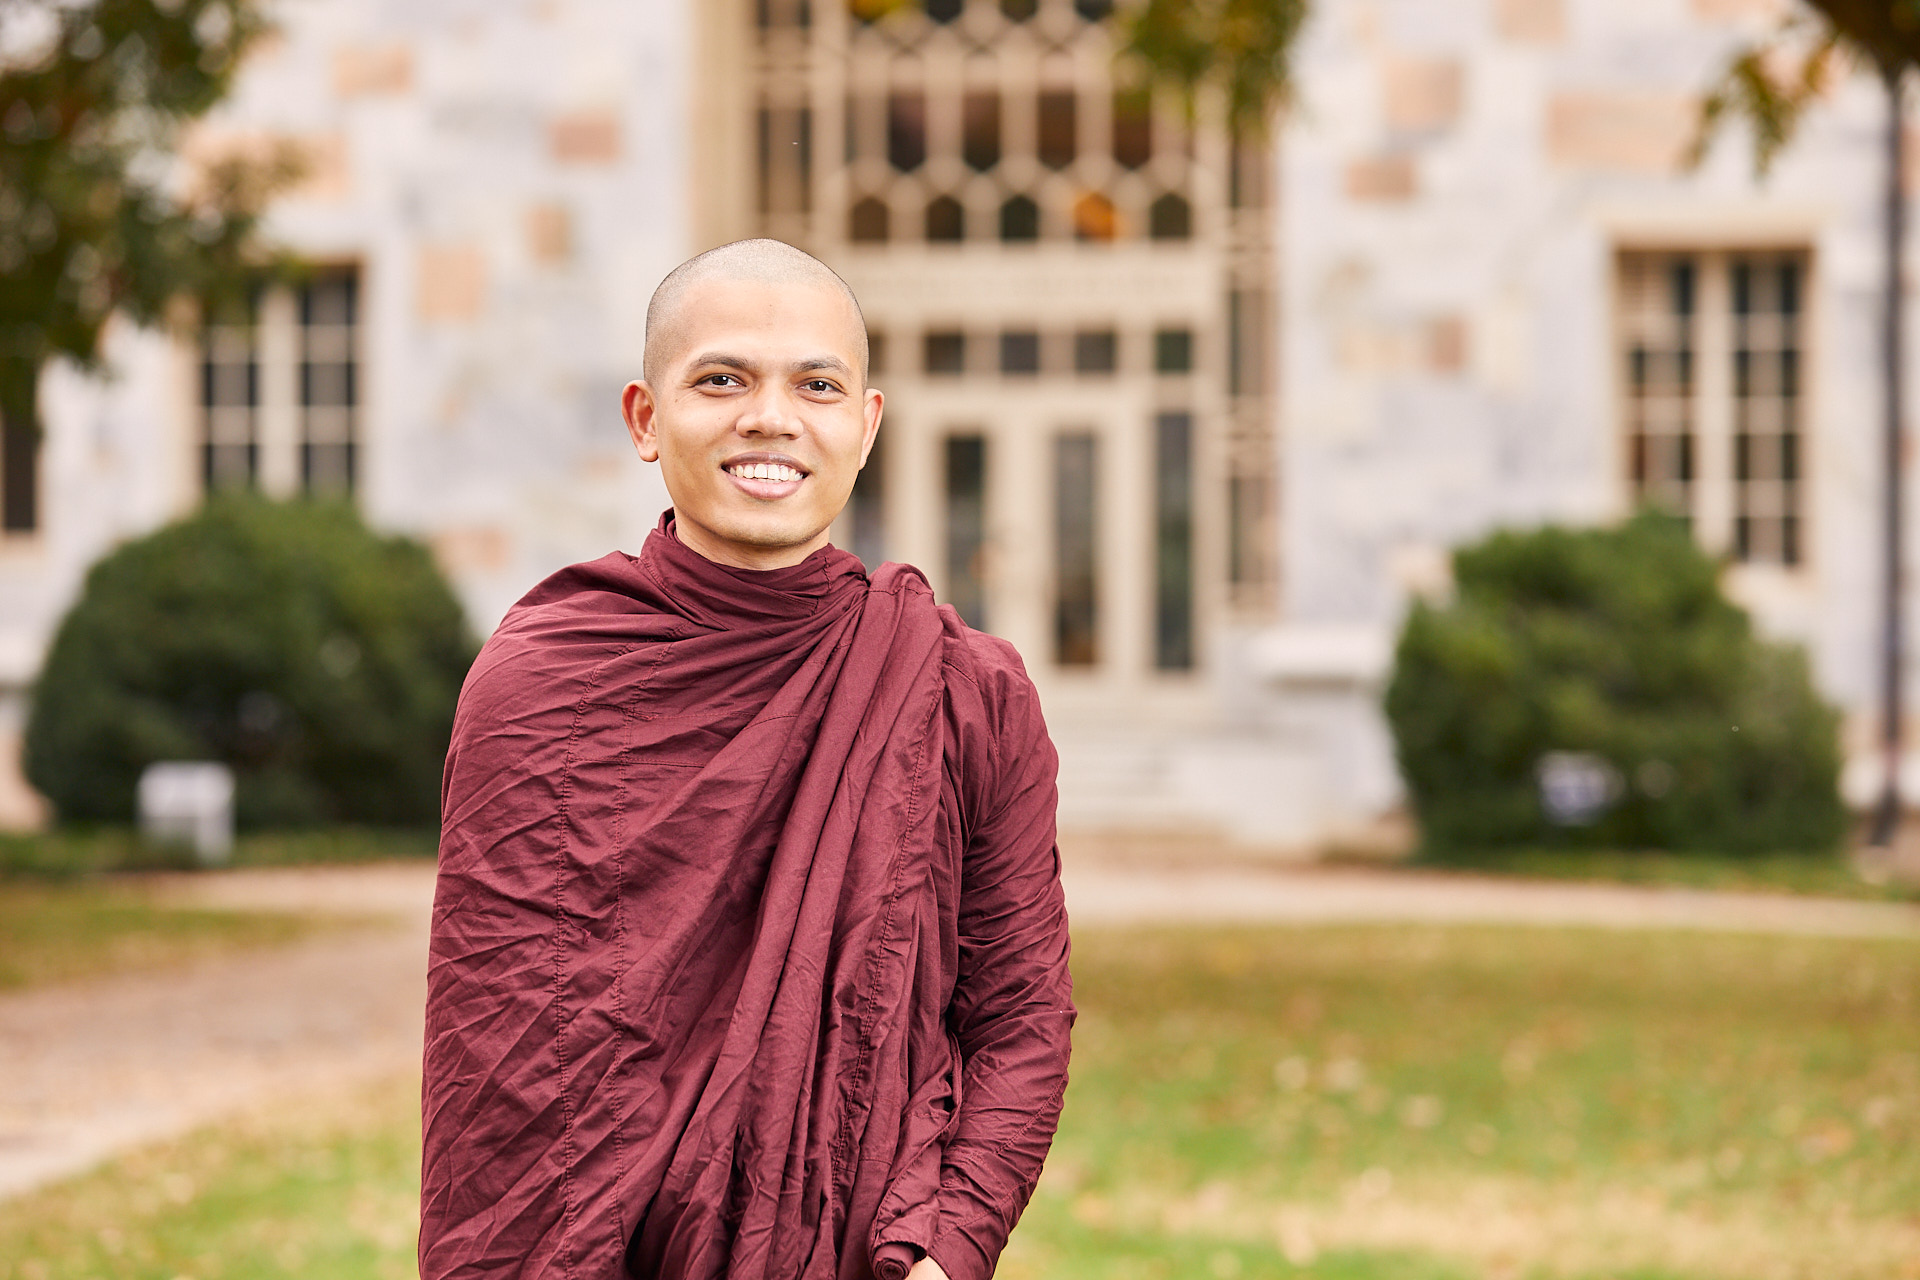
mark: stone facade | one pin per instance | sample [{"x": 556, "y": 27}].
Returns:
[{"x": 1398, "y": 327}]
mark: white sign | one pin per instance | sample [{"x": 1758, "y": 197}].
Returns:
[{"x": 189, "y": 802}]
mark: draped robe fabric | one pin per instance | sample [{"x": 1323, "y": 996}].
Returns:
[{"x": 748, "y": 953}]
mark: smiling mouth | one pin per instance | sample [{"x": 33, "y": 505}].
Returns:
[{"x": 777, "y": 472}]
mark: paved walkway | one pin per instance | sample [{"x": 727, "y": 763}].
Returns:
[{"x": 90, "y": 1069}]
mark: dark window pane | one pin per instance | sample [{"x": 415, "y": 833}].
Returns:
[
  {"x": 1019, "y": 219},
  {"x": 946, "y": 352},
  {"x": 1093, "y": 10},
  {"x": 876, "y": 352},
  {"x": 944, "y": 10},
  {"x": 1094, "y": 218},
  {"x": 329, "y": 376},
  {"x": 786, "y": 159},
  {"x": 1173, "y": 351},
  {"x": 967, "y": 528},
  {"x": 1058, "y": 128},
  {"x": 1132, "y": 127},
  {"x": 1095, "y": 351},
  {"x": 19, "y": 475},
  {"x": 946, "y": 220},
  {"x": 867, "y": 222},
  {"x": 867, "y": 508},
  {"x": 1019, "y": 10},
  {"x": 1171, "y": 218},
  {"x": 1020, "y": 352},
  {"x": 1246, "y": 527},
  {"x": 980, "y": 144},
  {"x": 906, "y": 131},
  {"x": 1076, "y": 606},
  {"x": 1173, "y": 541}
]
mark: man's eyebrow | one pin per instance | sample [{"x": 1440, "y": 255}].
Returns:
[
  {"x": 724, "y": 359},
  {"x": 833, "y": 363}
]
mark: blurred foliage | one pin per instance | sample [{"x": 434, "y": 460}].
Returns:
[
  {"x": 1618, "y": 643},
  {"x": 319, "y": 660},
  {"x": 94, "y": 214},
  {"x": 1242, "y": 46},
  {"x": 1770, "y": 84}
]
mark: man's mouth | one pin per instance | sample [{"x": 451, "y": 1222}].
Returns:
[{"x": 776, "y": 471}]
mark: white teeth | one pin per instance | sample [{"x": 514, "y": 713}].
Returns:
[{"x": 764, "y": 471}]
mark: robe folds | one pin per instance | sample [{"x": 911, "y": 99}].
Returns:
[{"x": 749, "y": 956}]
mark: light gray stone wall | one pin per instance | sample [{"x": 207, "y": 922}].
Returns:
[
  {"x": 512, "y": 180},
  {"x": 1457, "y": 180}
]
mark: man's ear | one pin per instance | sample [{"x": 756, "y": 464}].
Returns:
[
  {"x": 641, "y": 411},
  {"x": 875, "y": 402}
]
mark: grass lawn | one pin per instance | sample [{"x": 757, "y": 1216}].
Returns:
[
  {"x": 68, "y": 852},
  {"x": 55, "y": 930},
  {"x": 1830, "y": 876},
  {"x": 1377, "y": 1103}
]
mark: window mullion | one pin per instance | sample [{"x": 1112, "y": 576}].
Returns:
[
  {"x": 279, "y": 412},
  {"x": 1713, "y": 408}
]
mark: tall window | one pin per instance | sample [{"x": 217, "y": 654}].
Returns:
[
  {"x": 230, "y": 400},
  {"x": 1076, "y": 601},
  {"x": 967, "y": 527},
  {"x": 280, "y": 390},
  {"x": 1173, "y": 541},
  {"x": 1713, "y": 372},
  {"x": 19, "y": 475},
  {"x": 329, "y": 382}
]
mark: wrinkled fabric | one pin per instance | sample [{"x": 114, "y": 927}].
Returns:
[{"x": 749, "y": 953}]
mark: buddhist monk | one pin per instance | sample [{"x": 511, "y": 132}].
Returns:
[{"x": 749, "y": 956}]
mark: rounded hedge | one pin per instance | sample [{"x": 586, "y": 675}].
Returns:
[
  {"x": 1618, "y": 645},
  {"x": 318, "y": 659}
]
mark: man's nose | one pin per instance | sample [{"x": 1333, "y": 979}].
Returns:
[{"x": 770, "y": 412}]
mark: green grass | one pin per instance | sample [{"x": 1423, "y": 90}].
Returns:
[
  {"x": 1352, "y": 1103},
  {"x": 52, "y": 932},
  {"x": 1828, "y": 875},
  {"x": 329, "y": 1196},
  {"x": 68, "y": 852}
]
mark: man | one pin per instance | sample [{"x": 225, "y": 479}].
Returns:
[{"x": 749, "y": 953}]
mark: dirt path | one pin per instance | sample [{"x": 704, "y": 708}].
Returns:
[{"x": 89, "y": 1069}]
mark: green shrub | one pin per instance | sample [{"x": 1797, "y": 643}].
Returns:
[
  {"x": 1616, "y": 643},
  {"x": 317, "y": 659}
]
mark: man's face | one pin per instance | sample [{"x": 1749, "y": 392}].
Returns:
[{"x": 759, "y": 422}]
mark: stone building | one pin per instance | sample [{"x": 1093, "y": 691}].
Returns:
[{"x": 1187, "y": 418}]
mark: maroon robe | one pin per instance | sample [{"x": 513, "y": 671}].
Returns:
[{"x": 749, "y": 952}]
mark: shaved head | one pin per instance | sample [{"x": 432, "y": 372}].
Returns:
[{"x": 771, "y": 262}]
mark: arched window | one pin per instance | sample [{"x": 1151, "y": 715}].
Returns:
[
  {"x": 868, "y": 222},
  {"x": 1132, "y": 127},
  {"x": 1019, "y": 10},
  {"x": 1091, "y": 10},
  {"x": 1171, "y": 218},
  {"x": 1019, "y": 219},
  {"x": 944, "y": 10},
  {"x": 1094, "y": 218},
  {"x": 946, "y": 220}
]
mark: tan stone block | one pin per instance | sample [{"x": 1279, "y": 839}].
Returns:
[
  {"x": 1531, "y": 21},
  {"x": 1383, "y": 177},
  {"x": 1422, "y": 94},
  {"x": 549, "y": 229},
  {"x": 1446, "y": 344},
  {"x": 477, "y": 549},
  {"x": 1623, "y": 132},
  {"x": 324, "y": 171},
  {"x": 585, "y": 137},
  {"x": 1740, "y": 10},
  {"x": 369, "y": 70},
  {"x": 452, "y": 282}
]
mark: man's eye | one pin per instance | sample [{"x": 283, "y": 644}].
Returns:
[
  {"x": 721, "y": 379},
  {"x": 821, "y": 386}
]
